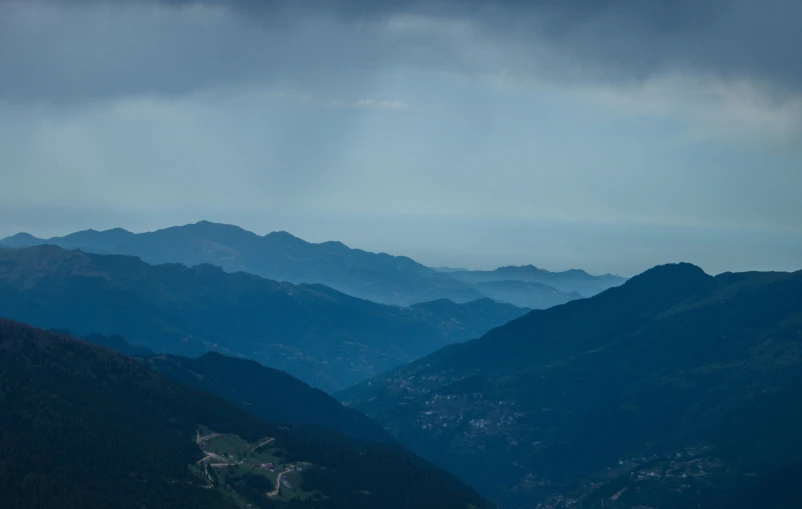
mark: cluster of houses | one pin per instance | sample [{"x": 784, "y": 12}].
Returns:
[
  {"x": 272, "y": 468},
  {"x": 266, "y": 466}
]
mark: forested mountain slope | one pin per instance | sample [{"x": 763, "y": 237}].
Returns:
[
  {"x": 670, "y": 391},
  {"x": 84, "y": 427},
  {"x": 267, "y": 393}
]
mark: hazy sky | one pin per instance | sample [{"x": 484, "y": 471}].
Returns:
[{"x": 610, "y": 135}]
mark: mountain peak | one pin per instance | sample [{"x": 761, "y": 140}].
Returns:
[
  {"x": 576, "y": 272},
  {"x": 284, "y": 236},
  {"x": 683, "y": 269},
  {"x": 21, "y": 236},
  {"x": 208, "y": 225},
  {"x": 335, "y": 243},
  {"x": 670, "y": 276},
  {"x": 281, "y": 234},
  {"x": 21, "y": 239},
  {"x": 521, "y": 268},
  {"x": 118, "y": 230}
]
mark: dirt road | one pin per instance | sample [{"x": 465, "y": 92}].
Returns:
[
  {"x": 278, "y": 483},
  {"x": 267, "y": 441}
]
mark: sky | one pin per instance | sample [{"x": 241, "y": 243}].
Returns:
[{"x": 609, "y": 135}]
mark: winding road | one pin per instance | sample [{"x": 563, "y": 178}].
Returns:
[{"x": 278, "y": 483}]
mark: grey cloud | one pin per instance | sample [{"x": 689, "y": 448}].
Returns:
[{"x": 63, "y": 51}]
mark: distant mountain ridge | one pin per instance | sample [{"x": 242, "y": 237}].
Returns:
[
  {"x": 525, "y": 294},
  {"x": 326, "y": 338},
  {"x": 283, "y": 257},
  {"x": 279, "y": 256},
  {"x": 572, "y": 280},
  {"x": 674, "y": 390}
]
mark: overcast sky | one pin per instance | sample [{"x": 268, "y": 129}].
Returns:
[{"x": 610, "y": 135}]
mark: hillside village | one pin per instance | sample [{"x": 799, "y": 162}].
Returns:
[{"x": 692, "y": 469}]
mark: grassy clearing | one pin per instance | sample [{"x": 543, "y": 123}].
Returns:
[{"x": 244, "y": 469}]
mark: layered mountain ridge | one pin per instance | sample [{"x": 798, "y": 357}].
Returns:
[
  {"x": 324, "y": 337},
  {"x": 281, "y": 256}
]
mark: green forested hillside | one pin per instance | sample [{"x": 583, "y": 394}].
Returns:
[
  {"x": 84, "y": 427},
  {"x": 670, "y": 391},
  {"x": 268, "y": 393}
]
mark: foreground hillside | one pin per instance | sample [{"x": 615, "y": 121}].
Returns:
[
  {"x": 675, "y": 390},
  {"x": 378, "y": 277},
  {"x": 324, "y": 337},
  {"x": 267, "y": 393},
  {"x": 84, "y": 427}
]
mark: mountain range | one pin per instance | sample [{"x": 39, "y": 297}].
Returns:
[
  {"x": 324, "y": 337},
  {"x": 84, "y": 427},
  {"x": 281, "y": 256},
  {"x": 676, "y": 389},
  {"x": 569, "y": 281}
]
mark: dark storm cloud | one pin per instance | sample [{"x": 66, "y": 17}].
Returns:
[{"x": 60, "y": 50}]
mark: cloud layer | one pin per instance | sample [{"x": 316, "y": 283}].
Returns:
[
  {"x": 632, "y": 114},
  {"x": 87, "y": 49}
]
